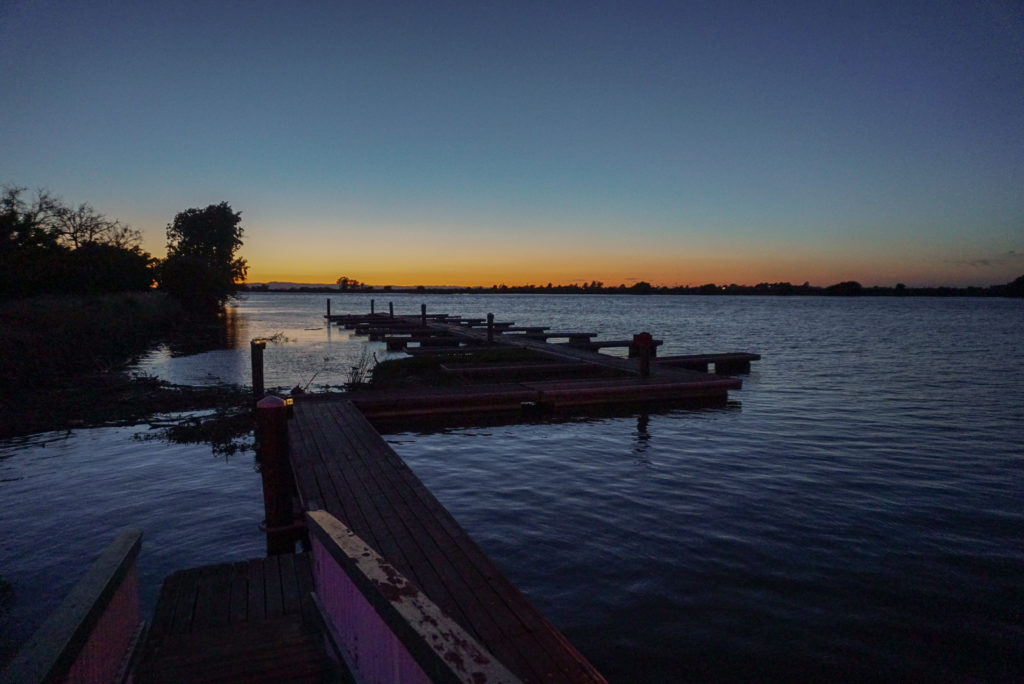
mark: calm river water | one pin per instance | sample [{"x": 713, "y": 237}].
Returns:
[{"x": 856, "y": 512}]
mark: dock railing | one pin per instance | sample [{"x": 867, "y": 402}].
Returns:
[
  {"x": 93, "y": 634},
  {"x": 384, "y": 627}
]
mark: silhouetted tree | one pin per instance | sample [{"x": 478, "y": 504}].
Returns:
[
  {"x": 642, "y": 287},
  {"x": 83, "y": 225},
  {"x": 97, "y": 268},
  {"x": 46, "y": 246},
  {"x": 346, "y": 283},
  {"x": 848, "y": 288},
  {"x": 201, "y": 268}
]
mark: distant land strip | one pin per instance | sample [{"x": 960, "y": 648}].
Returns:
[{"x": 849, "y": 288}]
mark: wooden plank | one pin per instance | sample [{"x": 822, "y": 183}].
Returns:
[
  {"x": 257, "y": 592},
  {"x": 184, "y": 607},
  {"x": 370, "y": 491},
  {"x": 272, "y": 587},
  {"x": 304, "y": 579},
  {"x": 303, "y": 469},
  {"x": 239, "y": 593},
  {"x": 289, "y": 584},
  {"x": 171, "y": 591},
  {"x": 448, "y": 553},
  {"x": 366, "y": 442},
  {"x": 408, "y": 528},
  {"x": 525, "y": 629},
  {"x": 386, "y": 615},
  {"x": 335, "y": 462},
  {"x": 283, "y": 648}
]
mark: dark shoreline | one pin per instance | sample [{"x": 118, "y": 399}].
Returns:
[
  {"x": 65, "y": 359},
  {"x": 784, "y": 289}
]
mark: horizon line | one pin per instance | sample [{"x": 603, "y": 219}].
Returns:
[{"x": 603, "y": 285}]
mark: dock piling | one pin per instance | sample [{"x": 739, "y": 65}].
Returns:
[
  {"x": 275, "y": 471},
  {"x": 371, "y": 307},
  {"x": 490, "y": 328},
  {"x": 328, "y": 310},
  {"x": 256, "y": 348},
  {"x": 391, "y": 309},
  {"x": 423, "y": 315},
  {"x": 643, "y": 345}
]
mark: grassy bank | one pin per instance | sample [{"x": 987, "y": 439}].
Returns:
[{"x": 62, "y": 361}]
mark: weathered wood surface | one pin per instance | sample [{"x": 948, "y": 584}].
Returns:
[
  {"x": 385, "y": 627},
  {"x": 250, "y": 621},
  {"x": 343, "y": 466}
]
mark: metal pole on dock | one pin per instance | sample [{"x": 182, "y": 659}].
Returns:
[
  {"x": 272, "y": 428},
  {"x": 256, "y": 348},
  {"x": 490, "y": 328}
]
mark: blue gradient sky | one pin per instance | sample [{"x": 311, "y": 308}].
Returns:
[{"x": 479, "y": 143}]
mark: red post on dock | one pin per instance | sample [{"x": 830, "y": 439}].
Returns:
[
  {"x": 256, "y": 348},
  {"x": 643, "y": 344},
  {"x": 272, "y": 429}
]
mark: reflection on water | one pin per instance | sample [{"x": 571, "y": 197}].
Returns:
[{"x": 226, "y": 330}]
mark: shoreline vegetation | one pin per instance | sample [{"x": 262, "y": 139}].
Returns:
[
  {"x": 64, "y": 367},
  {"x": 844, "y": 289},
  {"x": 79, "y": 299}
]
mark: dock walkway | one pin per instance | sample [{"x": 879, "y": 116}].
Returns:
[
  {"x": 342, "y": 465},
  {"x": 249, "y": 621}
]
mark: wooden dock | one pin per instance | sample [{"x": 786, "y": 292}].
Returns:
[
  {"x": 576, "y": 376},
  {"x": 250, "y": 621},
  {"x": 343, "y": 466}
]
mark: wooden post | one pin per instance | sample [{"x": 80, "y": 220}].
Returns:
[
  {"x": 490, "y": 328},
  {"x": 391, "y": 309},
  {"x": 256, "y": 348},
  {"x": 275, "y": 471},
  {"x": 644, "y": 343},
  {"x": 328, "y": 307},
  {"x": 371, "y": 307},
  {"x": 423, "y": 315}
]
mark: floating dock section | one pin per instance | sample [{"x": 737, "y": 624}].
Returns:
[{"x": 570, "y": 375}]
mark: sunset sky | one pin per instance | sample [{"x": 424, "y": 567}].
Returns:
[{"x": 471, "y": 143}]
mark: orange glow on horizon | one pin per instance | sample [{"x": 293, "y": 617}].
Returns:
[
  {"x": 410, "y": 260},
  {"x": 717, "y": 273}
]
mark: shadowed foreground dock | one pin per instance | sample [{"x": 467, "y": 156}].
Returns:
[{"x": 251, "y": 621}]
